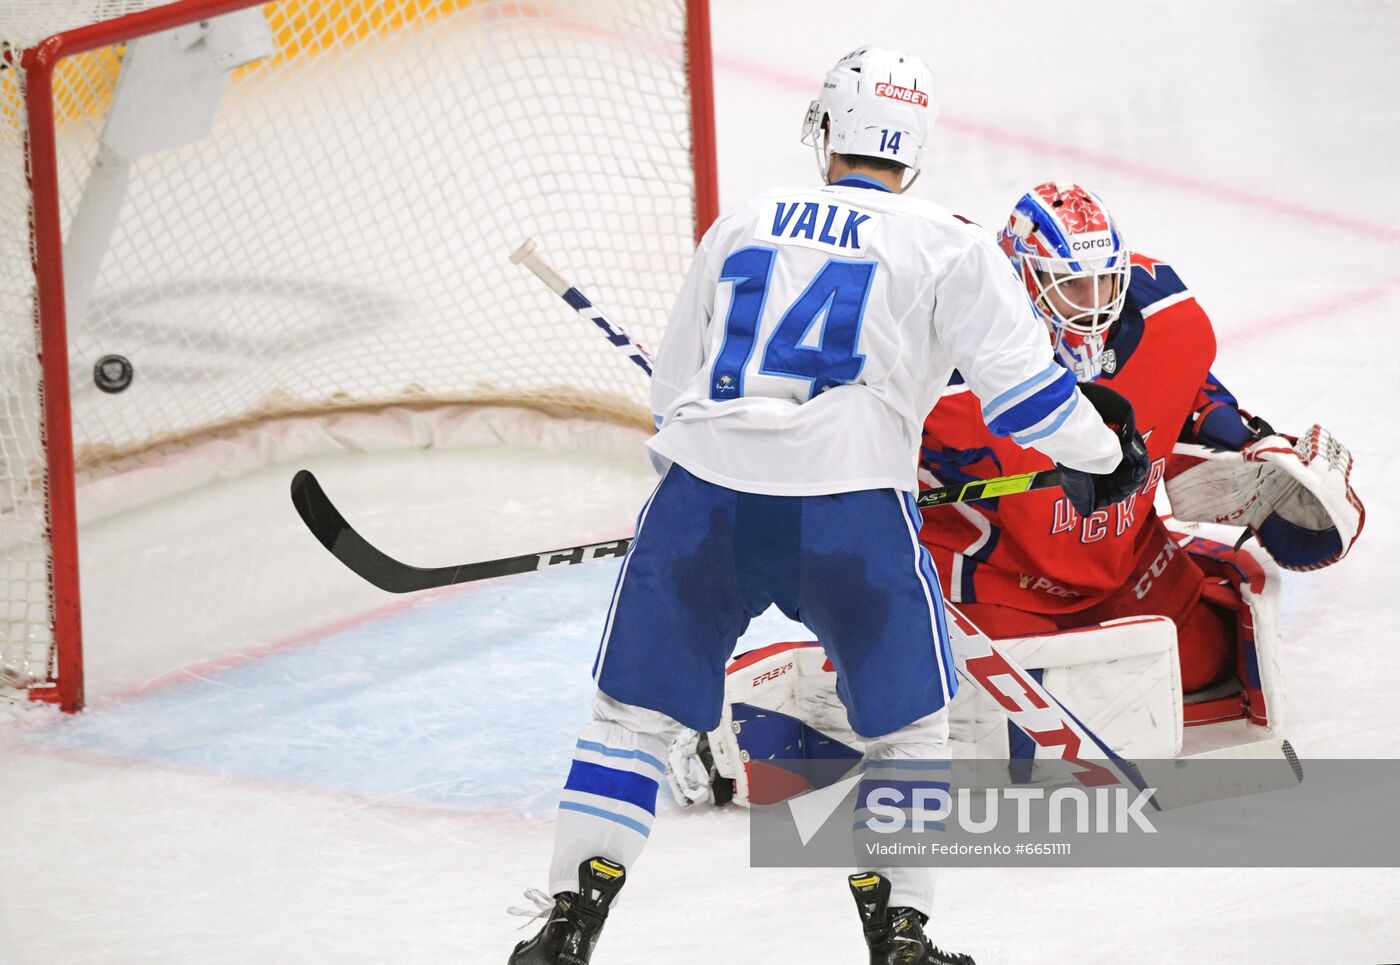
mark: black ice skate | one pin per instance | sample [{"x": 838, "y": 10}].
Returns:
[
  {"x": 572, "y": 928},
  {"x": 895, "y": 935}
]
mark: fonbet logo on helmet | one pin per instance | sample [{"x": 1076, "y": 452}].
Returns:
[
  {"x": 1071, "y": 258},
  {"x": 902, "y": 94},
  {"x": 874, "y": 103}
]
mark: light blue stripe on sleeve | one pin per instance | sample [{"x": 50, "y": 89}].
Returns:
[
  {"x": 1034, "y": 409},
  {"x": 1026, "y": 438},
  {"x": 992, "y": 409}
]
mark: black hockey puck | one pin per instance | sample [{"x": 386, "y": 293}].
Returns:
[{"x": 112, "y": 373}]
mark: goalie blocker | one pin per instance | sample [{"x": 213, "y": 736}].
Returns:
[{"x": 784, "y": 728}]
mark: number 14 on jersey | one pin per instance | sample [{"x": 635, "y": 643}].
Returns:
[{"x": 835, "y": 297}]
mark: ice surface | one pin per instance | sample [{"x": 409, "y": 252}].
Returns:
[{"x": 346, "y": 777}]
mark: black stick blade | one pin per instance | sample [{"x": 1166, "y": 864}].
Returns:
[
  {"x": 316, "y": 510},
  {"x": 339, "y": 537},
  {"x": 335, "y": 534}
]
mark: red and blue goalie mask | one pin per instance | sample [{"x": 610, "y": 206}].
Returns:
[{"x": 1070, "y": 255}]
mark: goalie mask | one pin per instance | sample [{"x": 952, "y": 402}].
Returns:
[
  {"x": 874, "y": 103},
  {"x": 1070, "y": 255}
]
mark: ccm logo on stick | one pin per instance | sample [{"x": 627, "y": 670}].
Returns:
[
  {"x": 916, "y": 97},
  {"x": 581, "y": 554}
]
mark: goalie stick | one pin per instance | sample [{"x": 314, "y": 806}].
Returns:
[
  {"x": 1027, "y": 704},
  {"x": 1036, "y": 711},
  {"x": 1056, "y": 730}
]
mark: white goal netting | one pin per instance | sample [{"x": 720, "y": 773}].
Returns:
[{"x": 339, "y": 237}]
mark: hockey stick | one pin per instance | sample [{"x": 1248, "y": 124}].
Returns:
[
  {"x": 1027, "y": 704},
  {"x": 1179, "y": 784},
  {"x": 989, "y": 488},
  {"x": 1068, "y": 736},
  {"x": 371, "y": 564},
  {"x": 525, "y": 255},
  {"x": 1056, "y": 730},
  {"x": 362, "y": 558},
  {"x": 1033, "y": 709},
  {"x": 331, "y": 528},
  {"x": 1037, "y": 712}
]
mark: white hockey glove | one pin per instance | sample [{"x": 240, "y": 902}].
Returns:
[
  {"x": 692, "y": 776},
  {"x": 1295, "y": 497}
]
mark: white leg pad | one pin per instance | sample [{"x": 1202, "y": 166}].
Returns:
[{"x": 1121, "y": 679}]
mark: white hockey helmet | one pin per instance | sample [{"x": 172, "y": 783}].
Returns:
[{"x": 875, "y": 103}]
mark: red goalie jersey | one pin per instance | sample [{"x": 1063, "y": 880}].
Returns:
[{"x": 1028, "y": 563}]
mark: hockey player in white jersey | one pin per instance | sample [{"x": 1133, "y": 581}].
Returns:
[{"x": 813, "y": 334}]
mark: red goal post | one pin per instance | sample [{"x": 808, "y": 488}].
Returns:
[{"x": 329, "y": 234}]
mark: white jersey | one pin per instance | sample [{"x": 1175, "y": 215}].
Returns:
[{"x": 816, "y": 329}]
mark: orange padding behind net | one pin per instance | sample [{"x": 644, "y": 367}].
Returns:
[{"x": 83, "y": 84}]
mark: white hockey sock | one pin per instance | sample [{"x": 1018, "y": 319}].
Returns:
[
  {"x": 918, "y": 753},
  {"x": 609, "y": 800}
]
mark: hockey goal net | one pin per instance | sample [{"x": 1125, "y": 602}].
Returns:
[{"x": 281, "y": 209}]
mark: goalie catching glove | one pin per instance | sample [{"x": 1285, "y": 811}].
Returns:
[{"x": 1295, "y": 497}]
